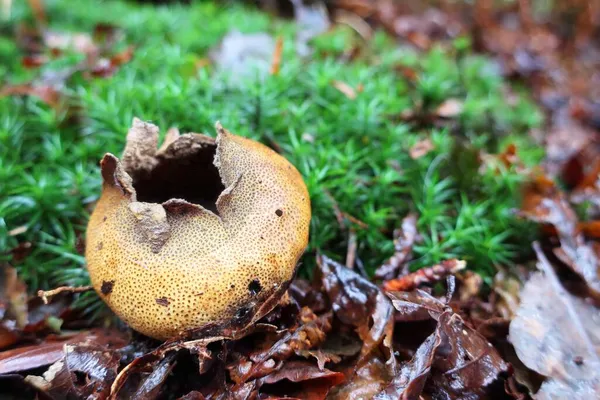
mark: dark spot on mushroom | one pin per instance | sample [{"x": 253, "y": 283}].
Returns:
[
  {"x": 279, "y": 212},
  {"x": 100, "y": 245},
  {"x": 232, "y": 286},
  {"x": 107, "y": 287},
  {"x": 254, "y": 287},
  {"x": 242, "y": 312},
  {"x": 578, "y": 360},
  {"x": 105, "y": 218},
  {"x": 162, "y": 301}
]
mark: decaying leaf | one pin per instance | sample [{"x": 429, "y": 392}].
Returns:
[
  {"x": 404, "y": 240},
  {"x": 421, "y": 148},
  {"x": 84, "y": 372},
  {"x": 359, "y": 303},
  {"x": 345, "y": 89},
  {"x": 52, "y": 348},
  {"x": 545, "y": 203},
  {"x": 558, "y": 335},
  {"x": 449, "y": 108},
  {"x": 456, "y": 361}
]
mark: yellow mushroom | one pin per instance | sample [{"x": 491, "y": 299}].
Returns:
[{"x": 197, "y": 232}]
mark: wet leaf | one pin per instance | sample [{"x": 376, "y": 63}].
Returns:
[
  {"x": 51, "y": 349},
  {"x": 311, "y": 382},
  {"x": 410, "y": 381},
  {"x": 558, "y": 336},
  {"x": 359, "y": 303},
  {"x": 368, "y": 380},
  {"x": 545, "y": 203}
]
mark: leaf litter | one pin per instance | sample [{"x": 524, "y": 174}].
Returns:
[{"x": 340, "y": 335}]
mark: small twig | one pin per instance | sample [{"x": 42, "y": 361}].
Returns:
[
  {"x": 276, "y": 63},
  {"x": 339, "y": 216},
  {"x": 47, "y": 294},
  {"x": 429, "y": 275},
  {"x": 545, "y": 266},
  {"x": 351, "y": 252}
]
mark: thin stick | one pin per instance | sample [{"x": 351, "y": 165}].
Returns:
[
  {"x": 47, "y": 294},
  {"x": 545, "y": 266},
  {"x": 351, "y": 251}
]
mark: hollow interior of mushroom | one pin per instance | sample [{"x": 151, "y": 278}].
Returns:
[{"x": 189, "y": 175}]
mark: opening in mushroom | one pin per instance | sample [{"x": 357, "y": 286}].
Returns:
[{"x": 189, "y": 175}]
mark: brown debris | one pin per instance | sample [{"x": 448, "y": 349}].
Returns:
[
  {"x": 404, "y": 240},
  {"x": 556, "y": 334},
  {"x": 427, "y": 275}
]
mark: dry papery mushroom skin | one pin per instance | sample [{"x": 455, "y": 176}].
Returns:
[{"x": 199, "y": 232}]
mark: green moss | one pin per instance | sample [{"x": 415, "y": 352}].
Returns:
[{"x": 356, "y": 150}]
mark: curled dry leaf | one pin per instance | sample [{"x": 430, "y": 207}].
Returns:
[
  {"x": 204, "y": 232},
  {"x": 404, "y": 240},
  {"x": 558, "y": 336}
]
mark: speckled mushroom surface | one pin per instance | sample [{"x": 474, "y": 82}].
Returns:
[{"x": 196, "y": 232}]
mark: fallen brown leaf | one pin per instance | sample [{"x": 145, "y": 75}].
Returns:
[
  {"x": 558, "y": 336},
  {"x": 421, "y": 148},
  {"x": 449, "y": 108},
  {"x": 404, "y": 240},
  {"x": 345, "y": 89}
]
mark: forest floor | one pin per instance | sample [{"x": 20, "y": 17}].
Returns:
[{"x": 429, "y": 139}]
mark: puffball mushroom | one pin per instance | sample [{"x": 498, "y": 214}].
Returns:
[{"x": 199, "y": 232}]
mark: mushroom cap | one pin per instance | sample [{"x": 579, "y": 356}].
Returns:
[{"x": 170, "y": 267}]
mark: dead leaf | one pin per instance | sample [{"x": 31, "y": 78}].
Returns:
[
  {"x": 311, "y": 382},
  {"x": 51, "y": 349},
  {"x": 359, "y": 303},
  {"x": 410, "y": 381},
  {"x": 404, "y": 240},
  {"x": 449, "y": 108},
  {"x": 558, "y": 336},
  {"x": 345, "y": 89},
  {"x": 421, "y": 148},
  {"x": 465, "y": 364},
  {"x": 545, "y": 203},
  {"x": 369, "y": 379},
  {"x": 85, "y": 371}
]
